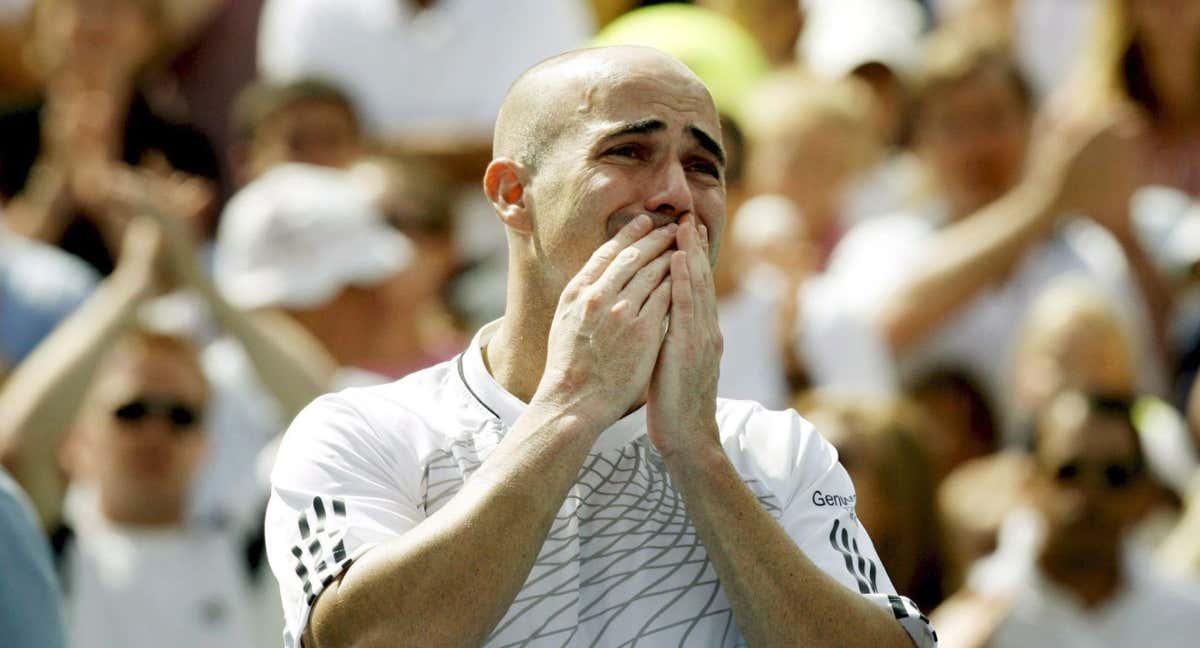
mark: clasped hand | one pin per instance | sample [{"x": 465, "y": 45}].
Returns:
[{"x": 607, "y": 348}]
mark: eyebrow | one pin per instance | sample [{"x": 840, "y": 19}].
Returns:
[
  {"x": 647, "y": 126},
  {"x": 708, "y": 143}
]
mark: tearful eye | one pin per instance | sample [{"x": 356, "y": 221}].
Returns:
[
  {"x": 625, "y": 150},
  {"x": 706, "y": 168}
]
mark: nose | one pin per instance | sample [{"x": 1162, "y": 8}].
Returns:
[{"x": 671, "y": 198}]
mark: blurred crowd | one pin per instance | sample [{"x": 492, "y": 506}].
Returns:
[{"x": 964, "y": 241}]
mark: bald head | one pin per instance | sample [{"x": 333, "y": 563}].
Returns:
[
  {"x": 546, "y": 100},
  {"x": 586, "y": 142}
]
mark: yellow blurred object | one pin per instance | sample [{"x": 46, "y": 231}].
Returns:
[{"x": 721, "y": 53}]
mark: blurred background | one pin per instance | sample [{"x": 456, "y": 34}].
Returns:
[{"x": 963, "y": 240}]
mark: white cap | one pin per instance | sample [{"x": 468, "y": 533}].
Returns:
[
  {"x": 299, "y": 235},
  {"x": 842, "y": 35}
]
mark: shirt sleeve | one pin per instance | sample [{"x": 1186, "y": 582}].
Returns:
[
  {"x": 821, "y": 519},
  {"x": 336, "y": 491}
]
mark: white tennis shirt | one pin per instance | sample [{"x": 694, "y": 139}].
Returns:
[{"x": 622, "y": 564}]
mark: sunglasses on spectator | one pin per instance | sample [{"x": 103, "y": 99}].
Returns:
[
  {"x": 1115, "y": 476},
  {"x": 182, "y": 416}
]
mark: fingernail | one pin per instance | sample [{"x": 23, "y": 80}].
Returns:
[
  {"x": 641, "y": 222},
  {"x": 672, "y": 228}
]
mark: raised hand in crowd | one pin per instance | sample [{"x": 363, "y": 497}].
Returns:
[
  {"x": 291, "y": 364},
  {"x": 1099, "y": 178},
  {"x": 41, "y": 399}
]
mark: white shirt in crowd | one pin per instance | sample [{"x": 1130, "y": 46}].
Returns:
[
  {"x": 622, "y": 562},
  {"x": 1149, "y": 609},
  {"x": 840, "y": 311},
  {"x": 186, "y": 587},
  {"x": 445, "y": 68},
  {"x": 752, "y": 366}
]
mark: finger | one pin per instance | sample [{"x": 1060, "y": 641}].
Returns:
[
  {"x": 682, "y": 300},
  {"x": 689, "y": 243},
  {"x": 604, "y": 255},
  {"x": 658, "y": 303},
  {"x": 644, "y": 282},
  {"x": 635, "y": 257}
]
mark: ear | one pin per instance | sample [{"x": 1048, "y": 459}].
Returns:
[{"x": 505, "y": 190}]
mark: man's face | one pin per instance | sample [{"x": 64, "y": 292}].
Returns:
[
  {"x": 142, "y": 442},
  {"x": 974, "y": 134},
  {"x": 309, "y": 132},
  {"x": 648, "y": 144},
  {"x": 96, "y": 40},
  {"x": 1089, "y": 484}
]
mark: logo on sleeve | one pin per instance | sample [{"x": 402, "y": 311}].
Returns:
[{"x": 831, "y": 499}]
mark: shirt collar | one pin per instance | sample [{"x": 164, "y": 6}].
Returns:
[{"x": 508, "y": 408}]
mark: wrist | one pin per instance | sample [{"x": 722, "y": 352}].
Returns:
[
  {"x": 691, "y": 442},
  {"x": 560, "y": 396},
  {"x": 700, "y": 456},
  {"x": 571, "y": 419}
]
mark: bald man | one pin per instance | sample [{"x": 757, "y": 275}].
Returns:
[{"x": 571, "y": 479}]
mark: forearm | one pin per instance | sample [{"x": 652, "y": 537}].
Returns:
[
  {"x": 1152, "y": 285},
  {"x": 449, "y": 581},
  {"x": 40, "y": 212},
  {"x": 779, "y": 597},
  {"x": 291, "y": 365},
  {"x": 967, "y": 257},
  {"x": 41, "y": 398}
]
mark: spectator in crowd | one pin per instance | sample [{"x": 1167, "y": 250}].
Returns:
[
  {"x": 768, "y": 255},
  {"x": 39, "y": 286},
  {"x": 972, "y": 504},
  {"x": 1072, "y": 337},
  {"x": 806, "y": 140},
  {"x": 308, "y": 242},
  {"x": 1148, "y": 54},
  {"x": 58, "y": 157},
  {"x": 457, "y": 57},
  {"x": 123, "y": 406},
  {"x": 879, "y": 443},
  {"x": 1065, "y": 570},
  {"x": 754, "y": 304},
  {"x": 422, "y": 327},
  {"x": 30, "y": 601},
  {"x": 877, "y": 42},
  {"x": 924, "y": 288},
  {"x": 962, "y": 421},
  {"x": 305, "y": 121}
]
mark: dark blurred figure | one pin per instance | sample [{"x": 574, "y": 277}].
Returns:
[
  {"x": 57, "y": 157},
  {"x": 307, "y": 121},
  {"x": 1066, "y": 572},
  {"x": 962, "y": 422},
  {"x": 878, "y": 442}
]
